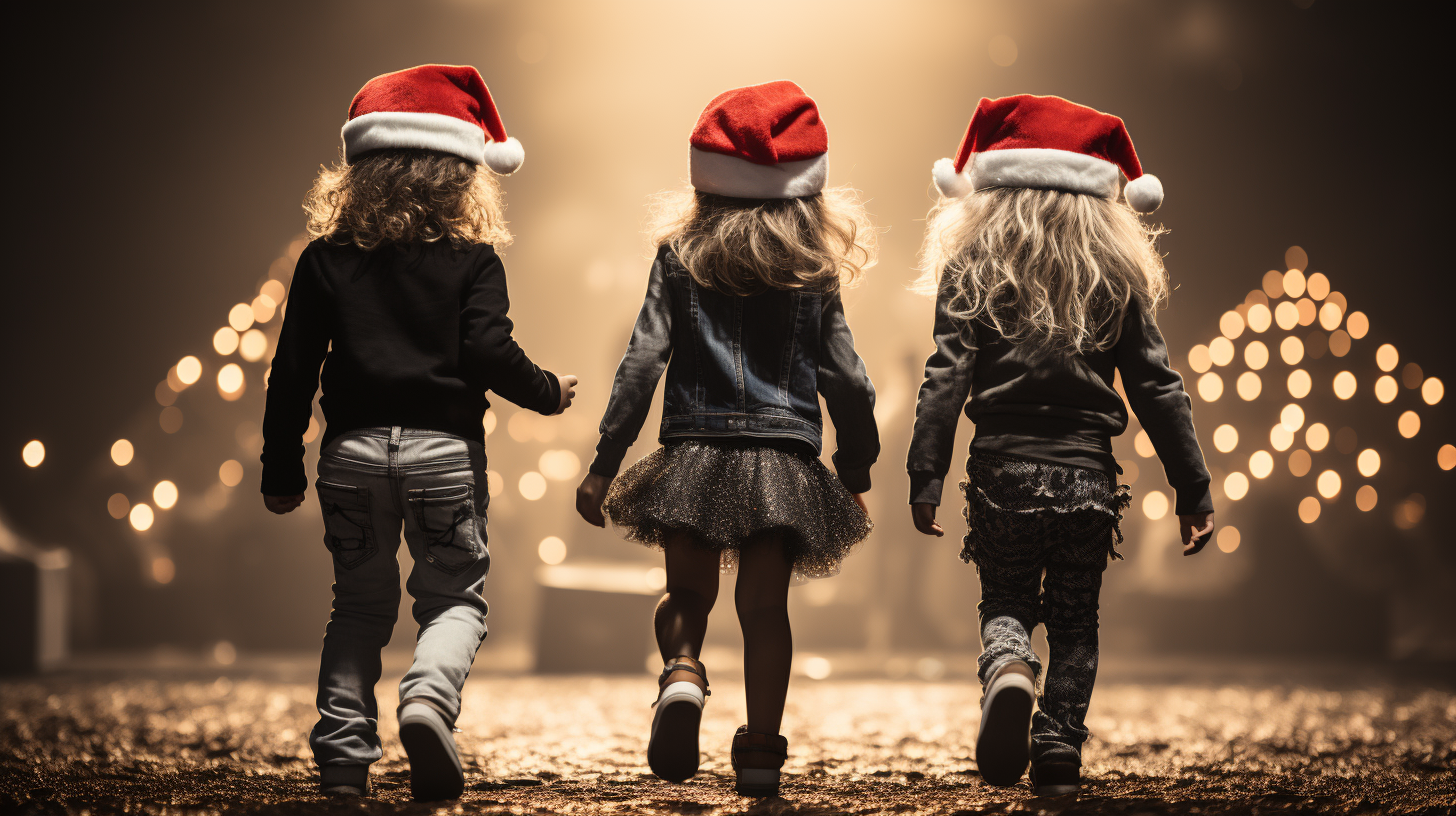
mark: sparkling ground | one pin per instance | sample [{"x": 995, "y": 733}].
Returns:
[{"x": 174, "y": 741}]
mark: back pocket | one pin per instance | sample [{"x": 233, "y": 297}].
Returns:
[
  {"x": 348, "y": 529},
  {"x": 446, "y": 518}
]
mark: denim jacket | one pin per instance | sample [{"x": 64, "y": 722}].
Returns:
[{"x": 744, "y": 367}]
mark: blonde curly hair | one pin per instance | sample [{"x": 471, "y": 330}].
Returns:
[
  {"x": 1054, "y": 269},
  {"x": 407, "y": 195},
  {"x": 741, "y": 246}
]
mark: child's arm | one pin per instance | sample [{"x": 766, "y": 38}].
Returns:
[
  {"x": 1162, "y": 406},
  {"x": 850, "y": 397},
  {"x": 302, "y": 345},
  {"x": 943, "y": 395},
  {"x": 489, "y": 349},
  {"x": 647, "y": 354}
]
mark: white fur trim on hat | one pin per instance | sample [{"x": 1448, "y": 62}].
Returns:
[
  {"x": 727, "y": 175},
  {"x": 1144, "y": 193},
  {"x": 505, "y": 157},
  {"x": 428, "y": 131},
  {"x": 950, "y": 183},
  {"x": 1045, "y": 168}
]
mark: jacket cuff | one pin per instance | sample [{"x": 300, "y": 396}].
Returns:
[
  {"x": 553, "y": 389},
  {"x": 1193, "y": 499},
  {"x": 284, "y": 480},
  {"x": 855, "y": 480},
  {"x": 925, "y": 487},
  {"x": 609, "y": 458}
]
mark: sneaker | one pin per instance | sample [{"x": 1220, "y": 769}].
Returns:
[
  {"x": 672, "y": 750},
  {"x": 1055, "y": 778},
  {"x": 435, "y": 770},
  {"x": 1003, "y": 744},
  {"x": 344, "y": 780},
  {"x": 757, "y": 759}
]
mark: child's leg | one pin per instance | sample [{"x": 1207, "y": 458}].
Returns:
[
  {"x": 1070, "y": 614},
  {"x": 1010, "y": 601},
  {"x": 762, "y": 596},
  {"x": 681, "y": 620}
]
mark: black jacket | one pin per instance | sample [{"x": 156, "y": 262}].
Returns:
[
  {"x": 1059, "y": 407},
  {"x": 414, "y": 336}
]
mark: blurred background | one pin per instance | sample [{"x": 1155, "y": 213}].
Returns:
[{"x": 154, "y": 222}]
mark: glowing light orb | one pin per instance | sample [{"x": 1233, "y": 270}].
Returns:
[
  {"x": 240, "y": 317},
  {"x": 1317, "y": 436},
  {"x": 1339, "y": 343},
  {"x": 1210, "y": 387},
  {"x": 1386, "y": 388},
  {"x": 263, "y": 307},
  {"x": 117, "y": 506},
  {"x": 1330, "y": 316},
  {"x": 1409, "y": 424},
  {"x": 1249, "y": 385},
  {"x": 817, "y": 668},
  {"x": 1328, "y": 484},
  {"x": 1231, "y": 325},
  {"x": 1300, "y": 463},
  {"x": 230, "y": 378},
  {"x": 1228, "y": 539},
  {"x": 1225, "y": 438},
  {"x": 559, "y": 465},
  {"x": 225, "y": 341},
  {"x": 1199, "y": 359},
  {"x": 165, "y": 494},
  {"x": 1318, "y": 286},
  {"x": 532, "y": 485},
  {"x": 163, "y": 570},
  {"x": 1155, "y": 505},
  {"x": 1294, "y": 283},
  {"x": 1306, "y": 311},
  {"x": 33, "y": 453},
  {"x": 1309, "y": 509},
  {"x": 1281, "y": 438},
  {"x": 1286, "y": 315},
  {"x": 1221, "y": 351},
  {"x": 552, "y": 550},
  {"x": 1292, "y": 417},
  {"x": 1260, "y": 318},
  {"x": 1368, "y": 462},
  {"x": 1143, "y": 444},
  {"x": 1386, "y": 357},
  {"x": 122, "y": 452},
  {"x": 1358, "y": 325},
  {"x": 1261, "y": 464},
  {"x": 495, "y": 484},
  {"x": 1345, "y": 385},
  {"x": 189, "y": 370},
  {"x": 1300, "y": 383},
  {"x": 1291, "y": 350},
  {"x": 142, "y": 517},
  {"x": 253, "y": 345},
  {"x": 230, "y": 473},
  {"x": 1432, "y": 390},
  {"x": 1256, "y": 355},
  {"x": 1366, "y": 498},
  {"x": 1446, "y": 457},
  {"x": 1236, "y": 485}
]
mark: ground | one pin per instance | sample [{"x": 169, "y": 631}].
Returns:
[{"x": 185, "y": 741}]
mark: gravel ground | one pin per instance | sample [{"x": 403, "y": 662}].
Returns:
[{"x": 160, "y": 742}]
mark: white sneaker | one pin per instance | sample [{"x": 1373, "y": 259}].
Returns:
[
  {"x": 435, "y": 769},
  {"x": 1003, "y": 743},
  {"x": 672, "y": 750}
]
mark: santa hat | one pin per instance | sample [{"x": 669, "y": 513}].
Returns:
[
  {"x": 1047, "y": 142},
  {"x": 435, "y": 107},
  {"x": 763, "y": 141}
]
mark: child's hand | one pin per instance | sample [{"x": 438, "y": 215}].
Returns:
[
  {"x": 924, "y": 517},
  {"x": 282, "y": 504},
  {"x": 859, "y": 500},
  {"x": 589, "y": 498},
  {"x": 1197, "y": 530},
  {"x": 568, "y": 390}
]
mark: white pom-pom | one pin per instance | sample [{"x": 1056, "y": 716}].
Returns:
[
  {"x": 1144, "y": 193},
  {"x": 950, "y": 183},
  {"x": 505, "y": 157}
]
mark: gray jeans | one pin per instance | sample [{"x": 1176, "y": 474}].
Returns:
[{"x": 371, "y": 482}]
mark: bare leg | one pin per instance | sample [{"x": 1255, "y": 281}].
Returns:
[
  {"x": 762, "y": 596},
  {"x": 692, "y": 588}
]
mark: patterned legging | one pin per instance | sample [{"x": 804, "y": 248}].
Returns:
[{"x": 1040, "y": 536}]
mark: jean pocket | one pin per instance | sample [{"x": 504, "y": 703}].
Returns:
[
  {"x": 447, "y": 521},
  {"x": 348, "y": 529}
]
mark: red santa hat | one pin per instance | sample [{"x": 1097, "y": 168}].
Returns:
[
  {"x": 763, "y": 141},
  {"x": 1047, "y": 142},
  {"x": 435, "y": 107}
]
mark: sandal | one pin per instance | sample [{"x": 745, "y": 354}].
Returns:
[{"x": 757, "y": 759}]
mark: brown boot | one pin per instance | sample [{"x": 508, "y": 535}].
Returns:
[
  {"x": 757, "y": 759},
  {"x": 682, "y": 689}
]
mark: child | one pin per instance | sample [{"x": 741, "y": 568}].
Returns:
[
  {"x": 402, "y": 298},
  {"x": 743, "y": 298},
  {"x": 1047, "y": 287}
]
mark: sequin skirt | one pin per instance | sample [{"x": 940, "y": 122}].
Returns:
[
  {"x": 724, "y": 494},
  {"x": 1010, "y": 499}
]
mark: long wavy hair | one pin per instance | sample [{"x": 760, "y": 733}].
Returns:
[
  {"x": 741, "y": 246},
  {"x": 1052, "y": 269},
  {"x": 407, "y": 195}
]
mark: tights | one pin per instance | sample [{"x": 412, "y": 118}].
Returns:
[{"x": 761, "y": 596}]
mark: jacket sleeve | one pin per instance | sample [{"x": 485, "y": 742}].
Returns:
[
  {"x": 642, "y": 365},
  {"x": 850, "y": 397},
  {"x": 302, "y": 345},
  {"x": 1162, "y": 406},
  {"x": 942, "y": 397},
  {"x": 489, "y": 351}
]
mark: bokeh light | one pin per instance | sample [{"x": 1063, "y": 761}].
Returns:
[
  {"x": 1309, "y": 509},
  {"x": 1286, "y": 315},
  {"x": 1318, "y": 286},
  {"x": 118, "y": 506},
  {"x": 1199, "y": 359},
  {"x": 170, "y": 419},
  {"x": 189, "y": 370},
  {"x": 253, "y": 345},
  {"x": 1368, "y": 462},
  {"x": 1292, "y": 417},
  {"x": 519, "y": 426},
  {"x": 312, "y": 431},
  {"x": 240, "y": 317},
  {"x": 552, "y": 550},
  {"x": 274, "y": 290},
  {"x": 1446, "y": 457},
  {"x": 1386, "y": 388},
  {"x": 1291, "y": 350},
  {"x": 1228, "y": 539},
  {"x": 1328, "y": 484},
  {"x": 33, "y": 453},
  {"x": 1411, "y": 375},
  {"x": 1330, "y": 315},
  {"x": 224, "y": 653},
  {"x": 165, "y": 494},
  {"x": 1236, "y": 485},
  {"x": 488, "y": 422},
  {"x": 1143, "y": 444},
  {"x": 230, "y": 381},
  {"x": 163, "y": 570},
  {"x": 1300, "y": 383},
  {"x": 1358, "y": 325},
  {"x": 816, "y": 667},
  {"x": 1221, "y": 351},
  {"x": 263, "y": 308},
  {"x": 1261, "y": 464},
  {"x": 230, "y": 473},
  {"x": 1387, "y": 357},
  {"x": 1281, "y": 438},
  {"x": 1306, "y": 312},
  {"x": 225, "y": 341},
  {"x": 1210, "y": 387},
  {"x": 1249, "y": 385},
  {"x": 1294, "y": 283},
  {"x": 1296, "y": 258},
  {"x": 1366, "y": 498},
  {"x": 1256, "y": 355},
  {"x": 1432, "y": 390},
  {"x": 1339, "y": 343},
  {"x": 532, "y": 485},
  {"x": 1410, "y": 512},
  {"x": 560, "y": 465},
  {"x": 1260, "y": 318},
  {"x": 1155, "y": 505},
  {"x": 1409, "y": 424},
  {"x": 1300, "y": 463},
  {"x": 1231, "y": 325},
  {"x": 1345, "y": 385},
  {"x": 1317, "y": 436},
  {"x": 1272, "y": 283},
  {"x": 1225, "y": 438},
  {"x": 495, "y": 483},
  {"x": 142, "y": 517},
  {"x": 122, "y": 452}
]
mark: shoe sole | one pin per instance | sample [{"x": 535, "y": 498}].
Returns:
[
  {"x": 672, "y": 751},
  {"x": 1055, "y": 790},
  {"x": 435, "y": 770},
  {"x": 758, "y": 782},
  {"x": 1003, "y": 746}
]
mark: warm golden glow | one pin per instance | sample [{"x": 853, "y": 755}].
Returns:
[
  {"x": 532, "y": 485},
  {"x": 163, "y": 570},
  {"x": 142, "y": 517},
  {"x": 1366, "y": 498},
  {"x": 1210, "y": 387},
  {"x": 117, "y": 506},
  {"x": 519, "y": 426},
  {"x": 189, "y": 370},
  {"x": 230, "y": 473},
  {"x": 1318, "y": 286},
  {"x": 1296, "y": 258},
  {"x": 1260, "y": 318},
  {"x": 1292, "y": 417},
  {"x": 1155, "y": 505},
  {"x": 1432, "y": 390},
  {"x": 488, "y": 422},
  {"x": 1306, "y": 311},
  {"x": 33, "y": 453},
  {"x": 1317, "y": 436},
  {"x": 1236, "y": 485},
  {"x": 1225, "y": 438},
  {"x": 1411, "y": 375},
  {"x": 1281, "y": 438},
  {"x": 1261, "y": 464},
  {"x": 1286, "y": 315},
  {"x": 253, "y": 346},
  {"x": 225, "y": 341},
  {"x": 1143, "y": 444},
  {"x": 1002, "y": 50},
  {"x": 1231, "y": 325},
  {"x": 165, "y": 494},
  {"x": 1409, "y": 424},
  {"x": 1368, "y": 462},
  {"x": 1249, "y": 385},
  {"x": 1291, "y": 350},
  {"x": 1386, "y": 388},
  {"x": 230, "y": 378},
  {"x": 164, "y": 393},
  {"x": 1446, "y": 457},
  {"x": 1345, "y": 385},
  {"x": 1198, "y": 358},
  {"x": 170, "y": 419},
  {"x": 559, "y": 465},
  {"x": 1273, "y": 283},
  {"x": 1329, "y": 316},
  {"x": 1294, "y": 283},
  {"x": 263, "y": 308},
  {"x": 552, "y": 550},
  {"x": 1410, "y": 512},
  {"x": 1328, "y": 484},
  {"x": 1300, "y": 383},
  {"x": 312, "y": 431},
  {"x": 1339, "y": 343},
  {"x": 274, "y": 290},
  {"x": 122, "y": 452},
  {"x": 1221, "y": 351},
  {"x": 1300, "y": 462},
  {"x": 1309, "y": 509},
  {"x": 1228, "y": 539},
  {"x": 495, "y": 484},
  {"x": 1358, "y": 325},
  {"x": 240, "y": 317},
  {"x": 1387, "y": 357},
  {"x": 1256, "y": 355}
]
